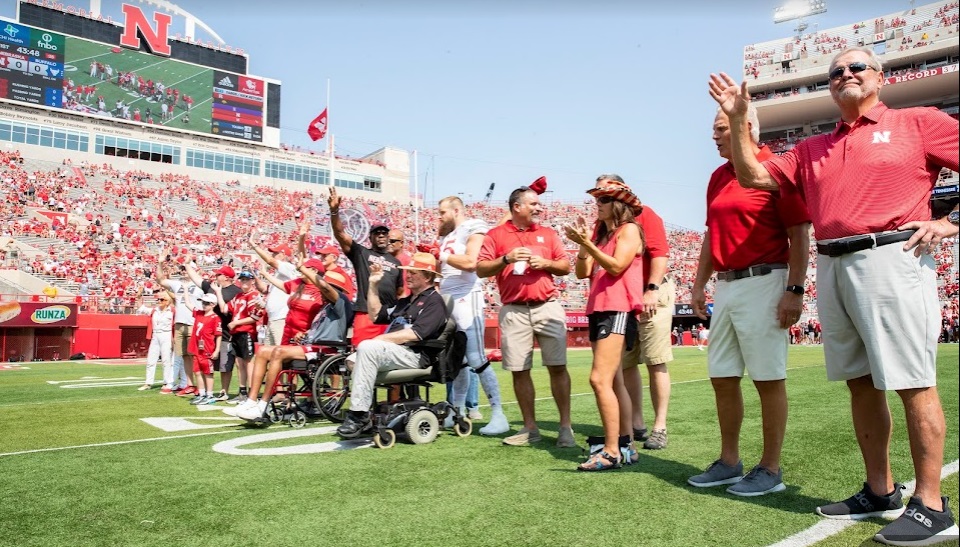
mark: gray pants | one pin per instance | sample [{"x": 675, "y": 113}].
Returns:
[{"x": 371, "y": 357}]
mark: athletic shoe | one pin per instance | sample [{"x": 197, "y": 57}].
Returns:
[
  {"x": 757, "y": 482},
  {"x": 524, "y": 437},
  {"x": 222, "y": 396},
  {"x": 716, "y": 474},
  {"x": 239, "y": 398},
  {"x": 865, "y": 505},
  {"x": 144, "y": 387},
  {"x": 198, "y": 399},
  {"x": 920, "y": 525},
  {"x": 187, "y": 391},
  {"x": 497, "y": 425},
  {"x": 355, "y": 424},
  {"x": 209, "y": 400},
  {"x": 565, "y": 438},
  {"x": 232, "y": 410},
  {"x": 474, "y": 414},
  {"x": 253, "y": 411},
  {"x": 166, "y": 390},
  {"x": 657, "y": 440}
]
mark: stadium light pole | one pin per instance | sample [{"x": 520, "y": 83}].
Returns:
[{"x": 797, "y": 10}]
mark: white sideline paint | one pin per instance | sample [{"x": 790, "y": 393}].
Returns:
[
  {"x": 234, "y": 446},
  {"x": 828, "y": 527},
  {"x": 116, "y": 443},
  {"x": 172, "y": 425},
  {"x": 137, "y": 382},
  {"x": 92, "y": 379}
]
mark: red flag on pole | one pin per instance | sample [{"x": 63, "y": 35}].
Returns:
[{"x": 318, "y": 127}]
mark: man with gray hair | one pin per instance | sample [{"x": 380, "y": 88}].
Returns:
[
  {"x": 867, "y": 186},
  {"x": 758, "y": 243}
]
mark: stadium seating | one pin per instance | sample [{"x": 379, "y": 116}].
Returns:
[{"x": 106, "y": 252}]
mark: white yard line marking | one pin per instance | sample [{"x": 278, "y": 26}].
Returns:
[{"x": 826, "y": 527}]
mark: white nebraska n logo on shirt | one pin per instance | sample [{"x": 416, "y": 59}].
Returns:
[{"x": 881, "y": 136}]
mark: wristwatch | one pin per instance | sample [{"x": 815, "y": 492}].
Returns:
[
  {"x": 795, "y": 289},
  {"x": 653, "y": 287},
  {"x": 954, "y": 218}
]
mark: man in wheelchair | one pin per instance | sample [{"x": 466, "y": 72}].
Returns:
[
  {"x": 328, "y": 325},
  {"x": 416, "y": 318}
]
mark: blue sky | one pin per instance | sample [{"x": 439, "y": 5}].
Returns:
[{"x": 504, "y": 92}]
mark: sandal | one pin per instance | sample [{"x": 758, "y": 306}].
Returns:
[{"x": 601, "y": 461}]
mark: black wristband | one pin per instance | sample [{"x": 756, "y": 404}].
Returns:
[
  {"x": 505, "y": 261},
  {"x": 795, "y": 289}
]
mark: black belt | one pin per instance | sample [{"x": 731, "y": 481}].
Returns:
[
  {"x": 858, "y": 243},
  {"x": 752, "y": 271},
  {"x": 529, "y": 303}
]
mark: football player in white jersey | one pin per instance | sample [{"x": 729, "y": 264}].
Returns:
[{"x": 460, "y": 241}]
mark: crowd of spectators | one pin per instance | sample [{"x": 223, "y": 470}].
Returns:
[{"x": 106, "y": 251}]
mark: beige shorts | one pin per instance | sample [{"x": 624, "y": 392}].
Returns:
[
  {"x": 745, "y": 332},
  {"x": 881, "y": 316},
  {"x": 275, "y": 332},
  {"x": 181, "y": 337},
  {"x": 653, "y": 345},
  {"x": 519, "y": 324}
]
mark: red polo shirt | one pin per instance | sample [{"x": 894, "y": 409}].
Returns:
[
  {"x": 749, "y": 227},
  {"x": 873, "y": 175},
  {"x": 533, "y": 285},
  {"x": 654, "y": 239}
]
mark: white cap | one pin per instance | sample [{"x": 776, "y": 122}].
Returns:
[{"x": 207, "y": 297}]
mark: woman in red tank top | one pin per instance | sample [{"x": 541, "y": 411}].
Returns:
[{"x": 612, "y": 259}]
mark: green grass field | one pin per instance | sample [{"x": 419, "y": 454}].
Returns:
[
  {"x": 192, "y": 80},
  {"x": 79, "y": 466}
]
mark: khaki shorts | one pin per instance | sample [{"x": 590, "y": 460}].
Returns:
[
  {"x": 181, "y": 337},
  {"x": 275, "y": 332},
  {"x": 519, "y": 324},
  {"x": 653, "y": 346},
  {"x": 881, "y": 316},
  {"x": 745, "y": 332}
]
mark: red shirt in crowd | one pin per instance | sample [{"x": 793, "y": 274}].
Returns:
[
  {"x": 206, "y": 328},
  {"x": 241, "y": 307},
  {"x": 873, "y": 175},
  {"x": 532, "y": 285},
  {"x": 655, "y": 239},
  {"x": 303, "y": 305},
  {"x": 749, "y": 227}
]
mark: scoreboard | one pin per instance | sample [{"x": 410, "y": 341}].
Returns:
[
  {"x": 41, "y": 67},
  {"x": 31, "y": 65}
]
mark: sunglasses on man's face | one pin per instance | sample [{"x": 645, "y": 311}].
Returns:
[
  {"x": 603, "y": 200},
  {"x": 854, "y": 68},
  {"x": 396, "y": 241}
]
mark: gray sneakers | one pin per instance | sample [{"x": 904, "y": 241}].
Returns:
[
  {"x": 718, "y": 473},
  {"x": 657, "y": 440},
  {"x": 524, "y": 437},
  {"x": 757, "y": 482}
]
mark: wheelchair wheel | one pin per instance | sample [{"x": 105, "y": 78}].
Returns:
[
  {"x": 422, "y": 427},
  {"x": 275, "y": 414},
  {"x": 386, "y": 439},
  {"x": 463, "y": 428},
  {"x": 331, "y": 388},
  {"x": 298, "y": 419}
]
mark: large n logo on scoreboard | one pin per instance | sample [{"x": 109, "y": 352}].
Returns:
[{"x": 136, "y": 22}]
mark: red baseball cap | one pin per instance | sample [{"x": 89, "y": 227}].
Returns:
[
  {"x": 281, "y": 248},
  {"x": 227, "y": 271},
  {"x": 338, "y": 280},
  {"x": 314, "y": 263},
  {"x": 329, "y": 250}
]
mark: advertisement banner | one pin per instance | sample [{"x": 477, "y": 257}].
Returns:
[{"x": 37, "y": 314}]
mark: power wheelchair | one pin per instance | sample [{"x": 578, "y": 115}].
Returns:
[{"x": 404, "y": 413}]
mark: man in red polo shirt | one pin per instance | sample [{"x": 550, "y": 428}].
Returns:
[
  {"x": 867, "y": 186},
  {"x": 524, "y": 256},
  {"x": 759, "y": 245}
]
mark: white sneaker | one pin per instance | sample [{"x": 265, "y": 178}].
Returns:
[
  {"x": 232, "y": 411},
  {"x": 252, "y": 412},
  {"x": 448, "y": 421},
  {"x": 474, "y": 414},
  {"x": 498, "y": 424},
  {"x": 144, "y": 387}
]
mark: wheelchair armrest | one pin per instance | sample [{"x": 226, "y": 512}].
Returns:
[
  {"x": 435, "y": 343},
  {"x": 332, "y": 343}
]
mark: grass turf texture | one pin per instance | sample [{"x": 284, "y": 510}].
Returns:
[
  {"x": 456, "y": 491},
  {"x": 192, "y": 80}
]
